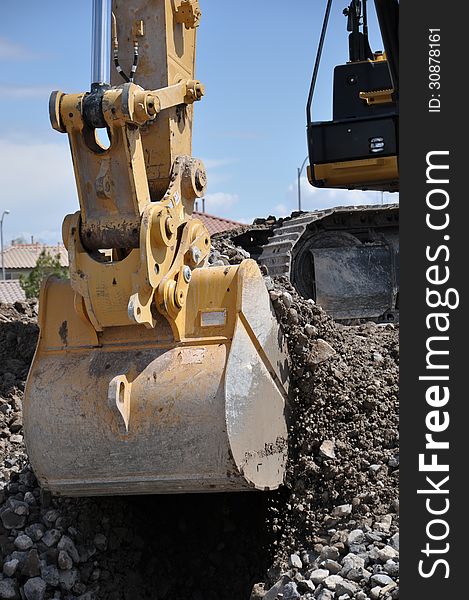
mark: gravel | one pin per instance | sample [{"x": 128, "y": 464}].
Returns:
[{"x": 330, "y": 533}]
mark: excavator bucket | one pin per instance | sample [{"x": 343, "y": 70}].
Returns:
[{"x": 135, "y": 412}]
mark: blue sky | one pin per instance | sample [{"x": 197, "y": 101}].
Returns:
[{"x": 255, "y": 59}]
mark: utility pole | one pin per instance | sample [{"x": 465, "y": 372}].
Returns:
[
  {"x": 300, "y": 171},
  {"x": 5, "y": 212}
]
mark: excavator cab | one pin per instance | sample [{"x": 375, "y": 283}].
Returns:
[{"x": 359, "y": 148}]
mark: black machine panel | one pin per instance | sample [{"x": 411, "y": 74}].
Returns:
[
  {"x": 353, "y": 78},
  {"x": 354, "y": 139}
]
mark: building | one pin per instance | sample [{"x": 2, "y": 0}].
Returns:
[{"x": 20, "y": 259}]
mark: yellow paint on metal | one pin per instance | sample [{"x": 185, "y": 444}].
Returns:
[{"x": 357, "y": 172}]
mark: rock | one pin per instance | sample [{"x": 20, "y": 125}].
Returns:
[
  {"x": 352, "y": 561},
  {"x": 8, "y": 590},
  {"x": 327, "y": 449},
  {"x": 100, "y": 541},
  {"x": 290, "y": 592},
  {"x": 385, "y": 523},
  {"x": 295, "y": 561},
  {"x": 67, "y": 544},
  {"x": 355, "y": 537},
  {"x": 394, "y": 541},
  {"x": 375, "y": 592},
  {"x": 51, "y": 537},
  {"x": 310, "y": 330},
  {"x": 329, "y": 552},
  {"x": 258, "y": 592},
  {"x": 31, "y": 567},
  {"x": 326, "y": 595},
  {"x": 342, "y": 511},
  {"x": 347, "y": 587},
  {"x": 387, "y": 553},
  {"x": 64, "y": 561},
  {"x": 11, "y": 520},
  {"x": 306, "y": 586},
  {"x": 332, "y": 581},
  {"x": 392, "y": 568},
  {"x": 10, "y": 566},
  {"x": 320, "y": 352},
  {"x": 318, "y": 576},
  {"x": 287, "y": 299},
  {"x": 35, "y": 531},
  {"x": 68, "y": 579},
  {"x": 23, "y": 542},
  {"x": 332, "y": 566},
  {"x": 50, "y": 574},
  {"x": 35, "y": 589},
  {"x": 361, "y": 596},
  {"x": 275, "y": 589},
  {"x": 381, "y": 579}
]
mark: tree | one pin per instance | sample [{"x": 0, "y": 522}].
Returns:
[{"x": 46, "y": 265}]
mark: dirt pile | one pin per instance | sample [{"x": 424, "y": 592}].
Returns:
[{"x": 330, "y": 533}]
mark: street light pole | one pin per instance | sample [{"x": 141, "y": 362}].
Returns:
[
  {"x": 5, "y": 212},
  {"x": 300, "y": 171}
]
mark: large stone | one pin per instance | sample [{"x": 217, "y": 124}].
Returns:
[
  {"x": 10, "y": 567},
  {"x": 355, "y": 537},
  {"x": 342, "y": 511},
  {"x": 51, "y": 537},
  {"x": 290, "y": 592},
  {"x": 352, "y": 561},
  {"x": 381, "y": 579},
  {"x": 67, "y": 544},
  {"x": 332, "y": 581},
  {"x": 329, "y": 552},
  {"x": 318, "y": 576},
  {"x": 50, "y": 574},
  {"x": 258, "y": 592},
  {"x": 23, "y": 542},
  {"x": 35, "y": 589},
  {"x": 320, "y": 352},
  {"x": 64, "y": 560},
  {"x": 394, "y": 541},
  {"x": 68, "y": 579},
  {"x": 11, "y": 520},
  {"x": 8, "y": 589},
  {"x": 327, "y": 449},
  {"x": 387, "y": 553},
  {"x": 332, "y": 566},
  {"x": 347, "y": 587},
  {"x": 31, "y": 566},
  {"x": 295, "y": 561}
]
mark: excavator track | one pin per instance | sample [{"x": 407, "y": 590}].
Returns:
[{"x": 344, "y": 258}]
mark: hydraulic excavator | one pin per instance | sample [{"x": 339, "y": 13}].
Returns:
[
  {"x": 153, "y": 373},
  {"x": 347, "y": 258}
]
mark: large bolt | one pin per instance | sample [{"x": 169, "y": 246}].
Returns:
[
  {"x": 200, "y": 179},
  {"x": 187, "y": 274},
  {"x": 170, "y": 226},
  {"x": 195, "y": 255}
]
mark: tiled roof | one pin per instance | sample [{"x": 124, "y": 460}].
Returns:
[
  {"x": 11, "y": 291},
  {"x": 24, "y": 256},
  {"x": 216, "y": 224}
]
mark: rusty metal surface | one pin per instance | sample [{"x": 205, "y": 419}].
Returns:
[{"x": 202, "y": 414}]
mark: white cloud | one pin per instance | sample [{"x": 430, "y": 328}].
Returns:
[
  {"x": 220, "y": 201},
  {"x": 281, "y": 210},
  {"x": 12, "y": 51},
  {"x": 25, "y": 91},
  {"x": 38, "y": 187},
  {"x": 216, "y": 163}
]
